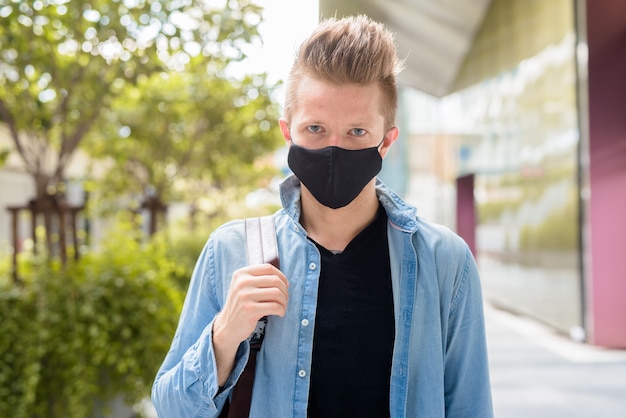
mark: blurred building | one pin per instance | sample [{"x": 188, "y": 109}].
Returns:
[{"x": 513, "y": 119}]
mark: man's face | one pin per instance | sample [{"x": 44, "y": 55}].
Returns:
[{"x": 346, "y": 116}]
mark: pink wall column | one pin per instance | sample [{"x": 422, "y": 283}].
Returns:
[
  {"x": 606, "y": 35},
  {"x": 466, "y": 211}
]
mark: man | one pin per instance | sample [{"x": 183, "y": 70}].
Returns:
[{"x": 375, "y": 312}]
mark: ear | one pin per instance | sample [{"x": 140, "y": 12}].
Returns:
[
  {"x": 388, "y": 140},
  {"x": 284, "y": 128}
]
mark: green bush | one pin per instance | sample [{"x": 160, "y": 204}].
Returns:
[
  {"x": 75, "y": 337},
  {"x": 21, "y": 350}
]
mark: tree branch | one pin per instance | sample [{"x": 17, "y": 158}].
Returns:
[{"x": 7, "y": 117}]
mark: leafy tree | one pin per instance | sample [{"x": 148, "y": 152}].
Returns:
[
  {"x": 180, "y": 134},
  {"x": 63, "y": 62}
]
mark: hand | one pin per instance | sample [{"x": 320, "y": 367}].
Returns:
[{"x": 255, "y": 291}]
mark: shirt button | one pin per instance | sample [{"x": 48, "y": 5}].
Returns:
[
  {"x": 305, "y": 322},
  {"x": 312, "y": 266},
  {"x": 399, "y": 370},
  {"x": 301, "y": 373}
]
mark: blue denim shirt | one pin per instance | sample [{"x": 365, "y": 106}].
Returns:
[{"x": 439, "y": 366}]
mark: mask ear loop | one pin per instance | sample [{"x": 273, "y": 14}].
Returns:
[
  {"x": 381, "y": 141},
  {"x": 379, "y": 144}
]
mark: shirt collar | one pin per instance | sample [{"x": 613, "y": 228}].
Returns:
[{"x": 400, "y": 213}]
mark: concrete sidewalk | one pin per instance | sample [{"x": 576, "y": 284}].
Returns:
[{"x": 536, "y": 373}]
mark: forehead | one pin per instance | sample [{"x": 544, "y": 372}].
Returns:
[{"x": 349, "y": 103}]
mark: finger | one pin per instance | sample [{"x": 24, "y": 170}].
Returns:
[
  {"x": 261, "y": 282},
  {"x": 270, "y": 294},
  {"x": 264, "y": 282},
  {"x": 251, "y": 311},
  {"x": 268, "y": 308},
  {"x": 265, "y": 270},
  {"x": 256, "y": 290}
]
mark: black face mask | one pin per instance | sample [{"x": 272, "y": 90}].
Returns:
[{"x": 334, "y": 176}]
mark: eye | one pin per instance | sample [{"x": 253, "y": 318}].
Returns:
[
  {"x": 359, "y": 131},
  {"x": 314, "y": 128}
]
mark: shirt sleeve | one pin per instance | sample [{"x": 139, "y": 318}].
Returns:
[
  {"x": 466, "y": 380},
  {"x": 186, "y": 384}
]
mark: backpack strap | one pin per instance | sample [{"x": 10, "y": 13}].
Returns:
[
  {"x": 261, "y": 248},
  {"x": 261, "y": 241}
]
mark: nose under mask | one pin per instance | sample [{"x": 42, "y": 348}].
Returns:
[{"x": 335, "y": 176}]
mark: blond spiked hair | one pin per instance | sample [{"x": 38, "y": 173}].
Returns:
[{"x": 353, "y": 49}]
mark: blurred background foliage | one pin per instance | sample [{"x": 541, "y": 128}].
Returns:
[
  {"x": 149, "y": 75},
  {"x": 178, "y": 136},
  {"x": 77, "y": 336},
  {"x": 142, "y": 89}
]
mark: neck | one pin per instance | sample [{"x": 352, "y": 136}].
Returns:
[{"x": 335, "y": 228}]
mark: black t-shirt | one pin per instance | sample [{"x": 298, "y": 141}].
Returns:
[{"x": 354, "y": 328}]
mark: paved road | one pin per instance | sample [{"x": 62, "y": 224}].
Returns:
[{"x": 536, "y": 373}]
